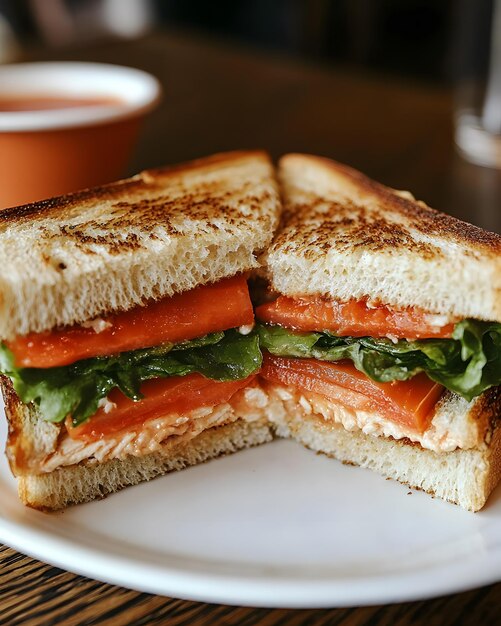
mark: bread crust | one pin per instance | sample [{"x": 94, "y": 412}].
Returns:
[
  {"x": 56, "y": 206},
  {"x": 345, "y": 236},
  {"x": 416, "y": 213},
  {"x": 30, "y": 438}
]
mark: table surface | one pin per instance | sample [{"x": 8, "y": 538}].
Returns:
[{"x": 220, "y": 96}]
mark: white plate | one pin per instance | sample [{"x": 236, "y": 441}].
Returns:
[{"x": 275, "y": 526}]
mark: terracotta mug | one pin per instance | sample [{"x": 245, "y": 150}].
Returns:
[{"x": 83, "y": 134}]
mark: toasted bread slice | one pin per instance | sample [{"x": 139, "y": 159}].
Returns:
[
  {"x": 36, "y": 450},
  {"x": 465, "y": 477},
  {"x": 164, "y": 231},
  {"x": 88, "y": 481},
  {"x": 345, "y": 236}
]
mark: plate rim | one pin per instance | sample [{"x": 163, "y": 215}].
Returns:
[{"x": 206, "y": 587}]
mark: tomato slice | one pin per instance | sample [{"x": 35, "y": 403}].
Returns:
[
  {"x": 408, "y": 403},
  {"x": 353, "y": 318},
  {"x": 162, "y": 397},
  {"x": 203, "y": 310}
]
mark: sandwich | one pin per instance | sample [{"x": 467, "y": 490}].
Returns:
[
  {"x": 125, "y": 325},
  {"x": 130, "y": 345},
  {"x": 381, "y": 333}
]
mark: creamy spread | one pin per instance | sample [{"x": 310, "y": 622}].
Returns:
[
  {"x": 97, "y": 324},
  {"x": 106, "y": 404},
  {"x": 245, "y": 330},
  {"x": 157, "y": 434},
  {"x": 443, "y": 435},
  {"x": 439, "y": 320}
]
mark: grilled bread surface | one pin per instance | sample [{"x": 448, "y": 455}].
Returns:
[
  {"x": 164, "y": 231},
  {"x": 345, "y": 236}
]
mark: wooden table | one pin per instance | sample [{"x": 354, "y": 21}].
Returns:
[{"x": 218, "y": 97}]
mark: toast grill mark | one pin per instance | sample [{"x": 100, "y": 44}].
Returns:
[
  {"x": 114, "y": 243},
  {"x": 429, "y": 221},
  {"x": 417, "y": 215},
  {"x": 128, "y": 226},
  {"x": 315, "y": 227},
  {"x": 61, "y": 207}
]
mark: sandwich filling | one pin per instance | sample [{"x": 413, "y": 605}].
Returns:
[
  {"x": 156, "y": 434},
  {"x": 128, "y": 382},
  {"x": 172, "y": 356},
  {"x": 374, "y": 359}
]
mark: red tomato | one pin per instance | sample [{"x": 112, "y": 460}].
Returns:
[
  {"x": 353, "y": 318},
  {"x": 203, "y": 310},
  {"x": 162, "y": 396},
  {"x": 408, "y": 403}
]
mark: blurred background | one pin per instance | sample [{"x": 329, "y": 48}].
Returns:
[
  {"x": 415, "y": 38},
  {"x": 384, "y": 85}
]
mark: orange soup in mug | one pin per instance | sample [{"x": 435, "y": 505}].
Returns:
[{"x": 66, "y": 126}]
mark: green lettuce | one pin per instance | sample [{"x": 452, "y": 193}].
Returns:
[
  {"x": 467, "y": 363},
  {"x": 76, "y": 389}
]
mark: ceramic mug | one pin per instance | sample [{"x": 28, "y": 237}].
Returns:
[{"x": 62, "y": 148}]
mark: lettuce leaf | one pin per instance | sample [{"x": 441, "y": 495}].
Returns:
[
  {"x": 77, "y": 388},
  {"x": 468, "y": 363}
]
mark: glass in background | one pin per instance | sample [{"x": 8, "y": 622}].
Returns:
[{"x": 478, "y": 91}]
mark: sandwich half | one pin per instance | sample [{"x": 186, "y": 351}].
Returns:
[
  {"x": 125, "y": 322},
  {"x": 382, "y": 336}
]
